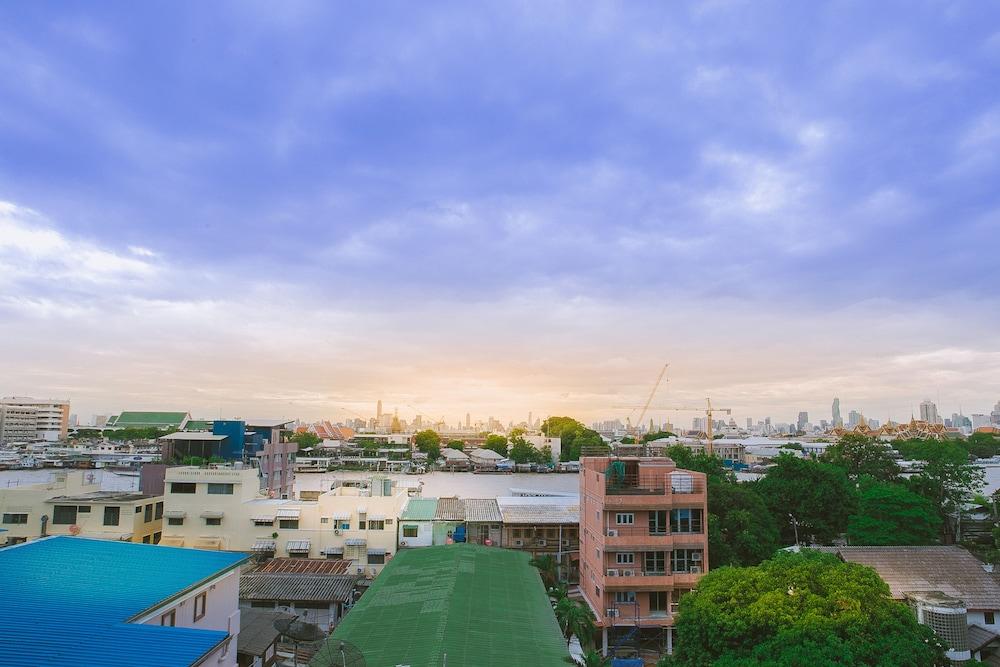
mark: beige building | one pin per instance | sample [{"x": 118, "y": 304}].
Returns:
[
  {"x": 221, "y": 507},
  {"x": 18, "y": 414},
  {"x": 72, "y": 503}
]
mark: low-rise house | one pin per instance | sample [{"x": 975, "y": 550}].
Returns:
[
  {"x": 486, "y": 459},
  {"x": 455, "y": 459},
  {"x": 416, "y": 524},
  {"x": 319, "y": 591},
  {"x": 258, "y": 640},
  {"x": 72, "y": 503},
  {"x": 220, "y": 507},
  {"x": 483, "y": 523},
  {"x": 72, "y": 601},
  {"x": 448, "y": 516},
  {"x": 544, "y": 525}
]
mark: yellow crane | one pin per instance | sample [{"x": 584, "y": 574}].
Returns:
[
  {"x": 708, "y": 410},
  {"x": 642, "y": 414}
]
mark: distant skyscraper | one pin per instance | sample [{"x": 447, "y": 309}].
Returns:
[
  {"x": 802, "y": 421},
  {"x": 378, "y": 411},
  {"x": 995, "y": 415},
  {"x": 979, "y": 421},
  {"x": 837, "y": 419},
  {"x": 929, "y": 412},
  {"x": 749, "y": 423},
  {"x": 530, "y": 423},
  {"x": 853, "y": 418},
  {"x": 468, "y": 420}
]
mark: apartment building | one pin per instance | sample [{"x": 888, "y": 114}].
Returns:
[
  {"x": 24, "y": 419},
  {"x": 72, "y": 601},
  {"x": 643, "y": 544},
  {"x": 72, "y": 503},
  {"x": 223, "y": 507}
]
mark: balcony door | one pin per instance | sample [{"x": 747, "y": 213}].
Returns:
[
  {"x": 658, "y": 522},
  {"x": 658, "y": 603}
]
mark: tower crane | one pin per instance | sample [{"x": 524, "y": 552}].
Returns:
[
  {"x": 642, "y": 414},
  {"x": 708, "y": 410}
]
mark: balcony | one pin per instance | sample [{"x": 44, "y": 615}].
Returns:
[
  {"x": 662, "y": 493},
  {"x": 620, "y": 538},
  {"x": 636, "y": 577}
]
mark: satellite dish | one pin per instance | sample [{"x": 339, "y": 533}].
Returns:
[
  {"x": 74, "y": 529},
  {"x": 299, "y": 631},
  {"x": 338, "y": 653}
]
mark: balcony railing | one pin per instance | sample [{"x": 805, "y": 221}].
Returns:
[
  {"x": 627, "y": 530},
  {"x": 672, "y": 483}
]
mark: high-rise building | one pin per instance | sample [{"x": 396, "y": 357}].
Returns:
[
  {"x": 749, "y": 423},
  {"x": 698, "y": 424},
  {"x": 51, "y": 416},
  {"x": 801, "y": 422},
  {"x": 853, "y": 418},
  {"x": 378, "y": 411},
  {"x": 979, "y": 421},
  {"x": 995, "y": 415},
  {"x": 468, "y": 420},
  {"x": 837, "y": 419},
  {"x": 929, "y": 412}
]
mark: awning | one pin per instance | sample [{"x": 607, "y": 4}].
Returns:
[
  {"x": 376, "y": 552},
  {"x": 175, "y": 514},
  {"x": 212, "y": 514},
  {"x": 263, "y": 519},
  {"x": 376, "y": 517},
  {"x": 171, "y": 541},
  {"x": 213, "y": 543},
  {"x": 362, "y": 509},
  {"x": 341, "y": 516},
  {"x": 332, "y": 550},
  {"x": 355, "y": 542},
  {"x": 264, "y": 545},
  {"x": 297, "y": 546},
  {"x": 289, "y": 513}
]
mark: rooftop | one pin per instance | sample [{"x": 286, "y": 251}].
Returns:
[
  {"x": 304, "y": 566},
  {"x": 450, "y": 509},
  {"x": 193, "y": 435},
  {"x": 297, "y": 587},
  {"x": 479, "y": 605},
  {"x": 419, "y": 509},
  {"x": 151, "y": 419},
  {"x": 541, "y": 509},
  {"x": 485, "y": 510},
  {"x": 70, "y": 599},
  {"x": 257, "y": 631},
  {"x": 949, "y": 569},
  {"x": 101, "y": 497}
]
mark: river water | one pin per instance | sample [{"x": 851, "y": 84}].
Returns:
[{"x": 435, "y": 484}]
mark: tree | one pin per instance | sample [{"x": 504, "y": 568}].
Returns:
[
  {"x": 428, "y": 442},
  {"x": 649, "y": 437},
  {"x": 306, "y": 439},
  {"x": 456, "y": 444},
  {"x": 497, "y": 443},
  {"x": 892, "y": 515},
  {"x": 548, "y": 569},
  {"x": 818, "y": 495},
  {"x": 575, "y": 618},
  {"x": 522, "y": 451},
  {"x": 948, "y": 480},
  {"x": 741, "y": 530},
  {"x": 545, "y": 455},
  {"x": 859, "y": 455},
  {"x": 590, "y": 659},
  {"x": 982, "y": 445},
  {"x": 574, "y": 436},
  {"x": 800, "y": 609}
]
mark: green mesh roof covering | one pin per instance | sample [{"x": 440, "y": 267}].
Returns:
[
  {"x": 479, "y": 605},
  {"x": 419, "y": 509},
  {"x": 158, "y": 419},
  {"x": 198, "y": 425}
]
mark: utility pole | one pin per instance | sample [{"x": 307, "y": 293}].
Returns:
[{"x": 795, "y": 526}]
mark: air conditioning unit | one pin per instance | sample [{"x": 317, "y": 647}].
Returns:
[
  {"x": 565, "y": 543},
  {"x": 518, "y": 543},
  {"x": 336, "y": 531},
  {"x": 628, "y": 573},
  {"x": 402, "y": 544},
  {"x": 696, "y": 569},
  {"x": 696, "y": 556},
  {"x": 612, "y": 613},
  {"x": 613, "y": 573},
  {"x": 612, "y": 532}
]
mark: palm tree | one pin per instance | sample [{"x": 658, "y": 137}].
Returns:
[
  {"x": 575, "y": 619},
  {"x": 590, "y": 659},
  {"x": 548, "y": 569},
  {"x": 558, "y": 592}
]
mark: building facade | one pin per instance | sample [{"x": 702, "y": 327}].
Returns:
[
  {"x": 72, "y": 503},
  {"x": 24, "y": 419},
  {"x": 643, "y": 544}
]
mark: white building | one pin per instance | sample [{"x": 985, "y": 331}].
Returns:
[
  {"x": 24, "y": 419},
  {"x": 221, "y": 507}
]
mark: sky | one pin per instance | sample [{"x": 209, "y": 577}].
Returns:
[{"x": 295, "y": 209}]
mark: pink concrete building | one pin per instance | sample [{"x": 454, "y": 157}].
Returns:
[{"x": 643, "y": 544}]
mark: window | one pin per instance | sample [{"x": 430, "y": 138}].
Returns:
[
  {"x": 675, "y": 599},
  {"x": 112, "y": 515},
  {"x": 658, "y": 522},
  {"x": 291, "y": 524},
  {"x": 516, "y": 532},
  {"x": 376, "y": 525},
  {"x": 83, "y": 509},
  {"x": 169, "y": 618},
  {"x": 213, "y": 521},
  {"x": 146, "y": 539},
  {"x": 261, "y": 604},
  {"x": 15, "y": 518},
  {"x": 183, "y": 487},
  {"x": 138, "y": 509},
  {"x": 625, "y": 559},
  {"x": 220, "y": 489},
  {"x": 324, "y": 519},
  {"x": 157, "y": 537},
  {"x": 175, "y": 521},
  {"x": 345, "y": 526},
  {"x": 655, "y": 561},
  {"x": 989, "y": 618},
  {"x": 159, "y": 511},
  {"x": 64, "y": 514},
  {"x": 624, "y": 597},
  {"x": 361, "y": 524},
  {"x": 685, "y": 559},
  {"x": 199, "y": 606},
  {"x": 376, "y": 559},
  {"x": 624, "y": 519},
  {"x": 685, "y": 521},
  {"x": 658, "y": 603},
  {"x": 148, "y": 515},
  {"x": 410, "y": 531}
]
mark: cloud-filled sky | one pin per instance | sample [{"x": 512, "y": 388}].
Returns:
[{"x": 294, "y": 209}]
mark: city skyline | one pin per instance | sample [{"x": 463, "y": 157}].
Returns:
[{"x": 275, "y": 210}]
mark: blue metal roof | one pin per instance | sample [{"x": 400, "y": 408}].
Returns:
[{"x": 67, "y": 600}]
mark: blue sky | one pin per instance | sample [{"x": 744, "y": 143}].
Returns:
[{"x": 296, "y": 208}]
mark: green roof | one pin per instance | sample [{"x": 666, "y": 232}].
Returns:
[
  {"x": 199, "y": 425},
  {"x": 419, "y": 509},
  {"x": 158, "y": 419},
  {"x": 479, "y": 605}
]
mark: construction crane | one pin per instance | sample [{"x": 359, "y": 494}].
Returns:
[
  {"x": 708, "y": 410},
  {"x": 434, "y": 423},
  {"x": 642, "y": 415}
]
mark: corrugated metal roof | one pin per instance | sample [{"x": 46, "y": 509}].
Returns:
[
  {"x": 951, "y": 570},
  {"x": 257, "y": 631},
  {"x": 66, "y": 600},
  {"x": 450, "y": 509},
  {"x": 979, "y": 637},
  {"x": 539, "y": 510},
  {"x": 483, "y": 510},
  {"x": 297, "y": 587},
  {"x": 419, "y": 509},
  {"x": 304, "y": 566},
  {"x": 193, "y": 435}
]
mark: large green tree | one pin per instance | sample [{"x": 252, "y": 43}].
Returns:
[
  {"x": 497, "y": 443},
  {"x": 819, "y": 496},
  {"x": 306, "y": 439},
  {"x": 741, "y": 530},
  {"x": 799, "y": 610},
  {"x": 573, "y": 435},
  {"x": 860, "y": 455},
  {"x": 948, "y": 480},
  {"x": 892, "y": 515},
  {"x": 428, "y": 442}
]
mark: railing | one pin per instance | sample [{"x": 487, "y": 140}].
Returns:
[
  {"x": 628, "y": 571},
  {"x": 633, "y": 530},
  {"x": 672, "y": 483}
]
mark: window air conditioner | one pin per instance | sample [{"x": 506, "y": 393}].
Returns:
[
  {"x": 628, "y": 573},
  {"x": 696, "y": 557},
  {"x": 612, "y": 572},
  {"x": 612, "y": 532},
  {"x": 696, "y": 569},
  {"x": 612, "y": 613}
]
